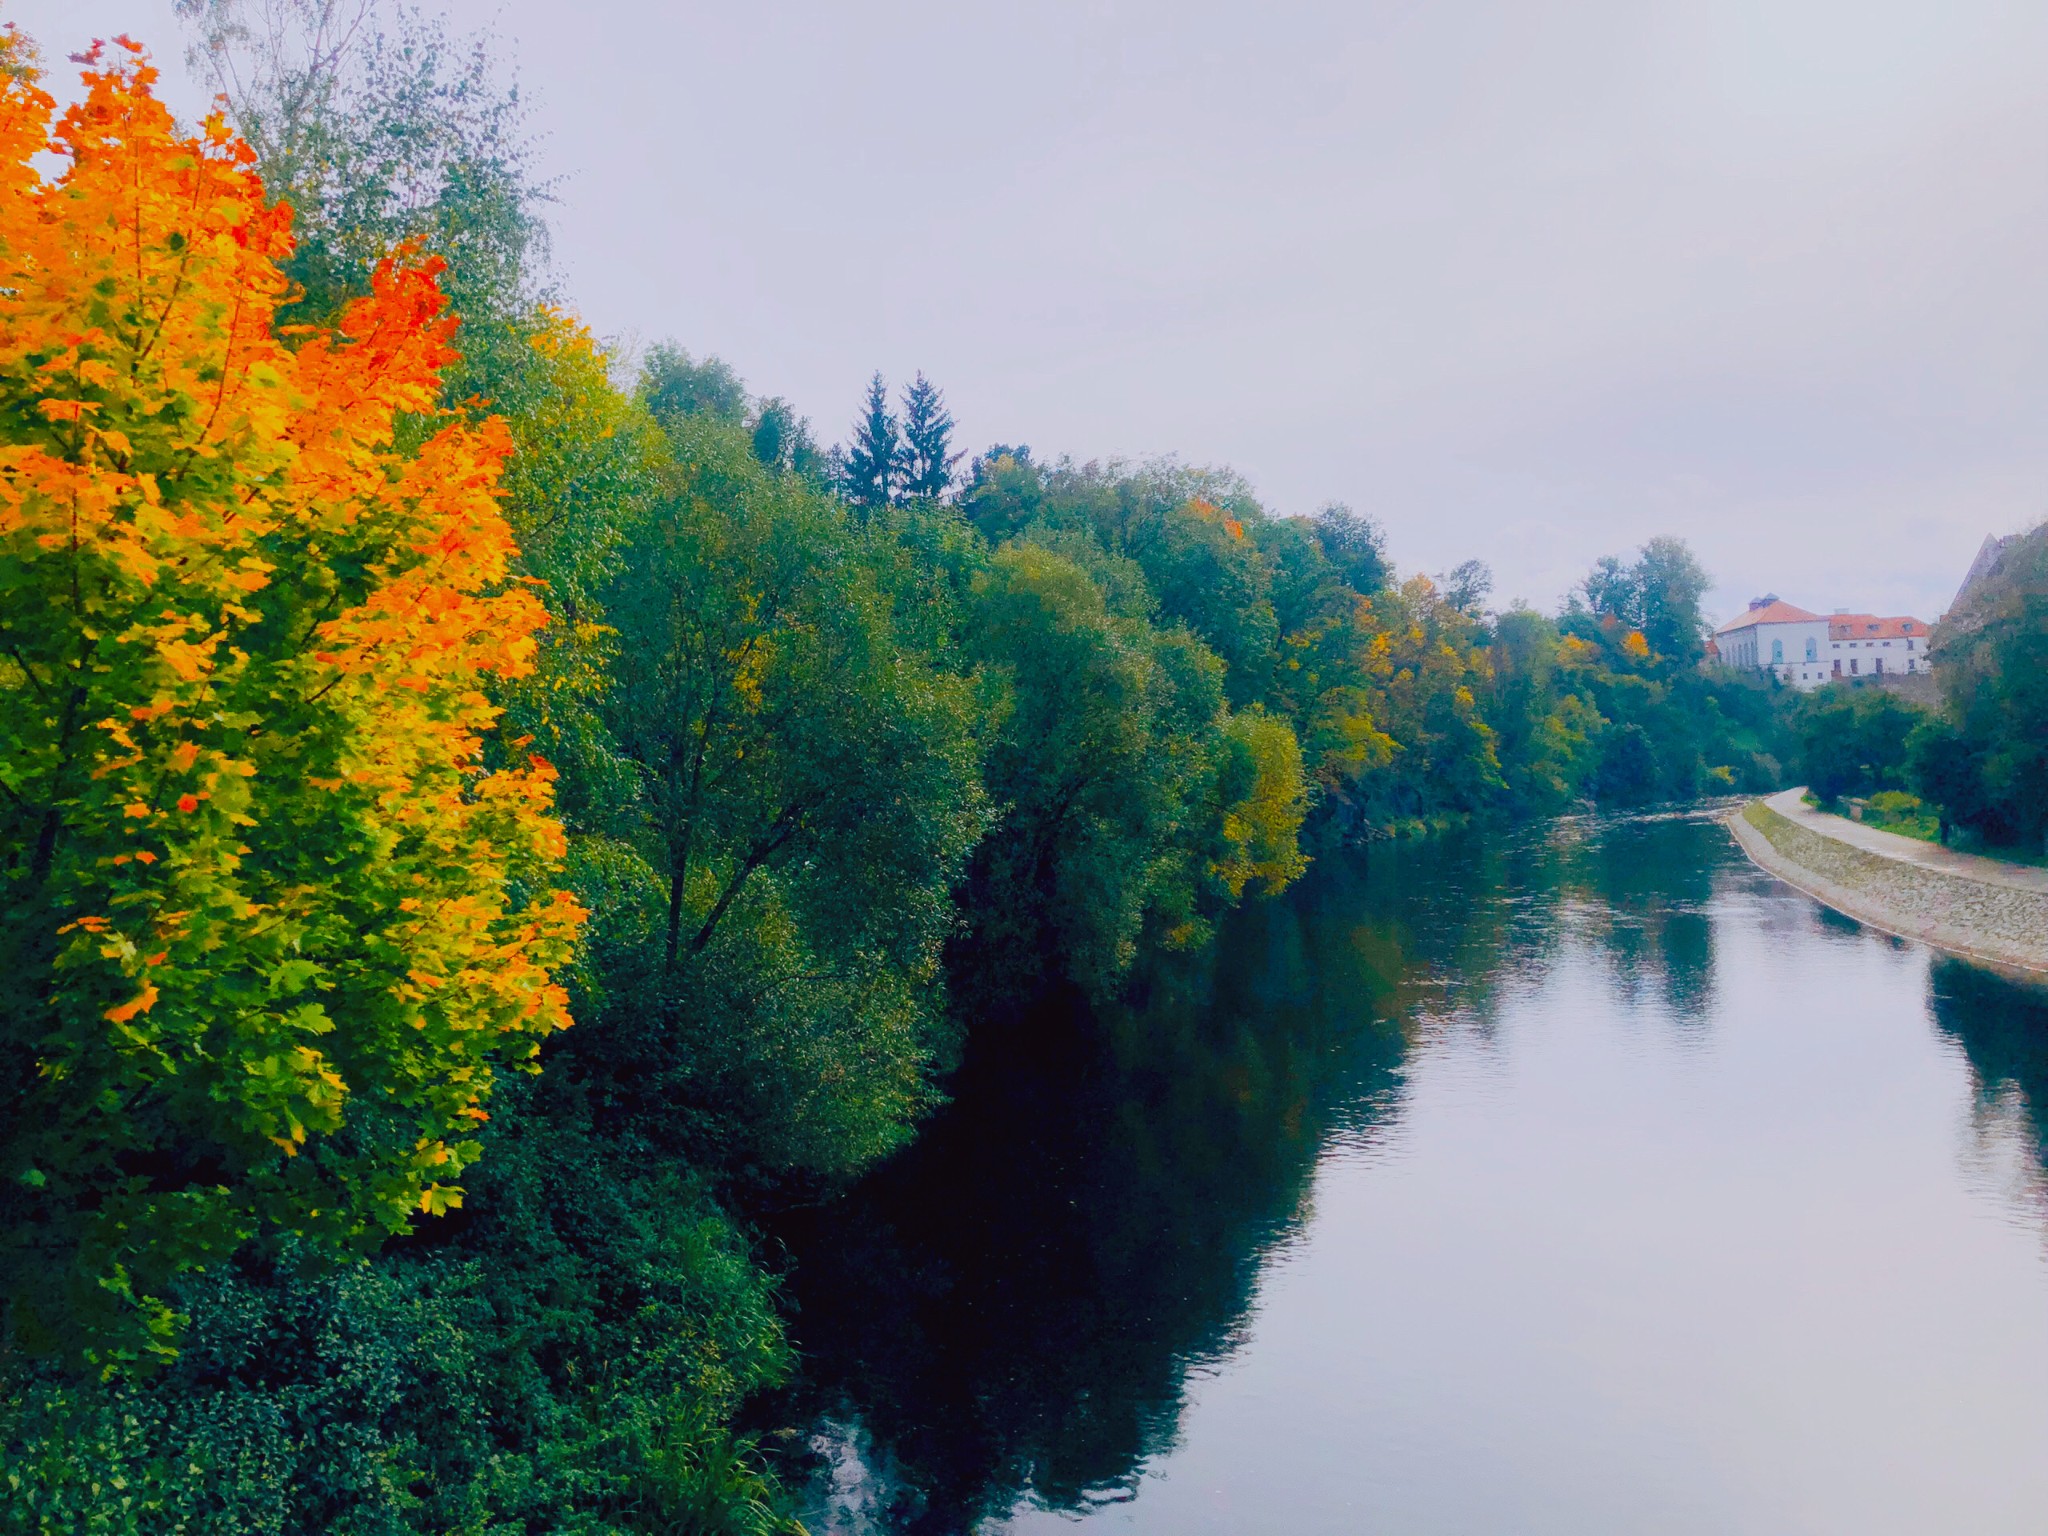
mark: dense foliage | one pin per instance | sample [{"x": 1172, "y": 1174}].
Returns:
[
  {"x": 321, "y": 611},
  {"x": 1852, "y": 742},
  {"x": 1984, "y": 760}
]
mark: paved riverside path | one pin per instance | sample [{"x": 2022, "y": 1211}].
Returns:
[
  {"x": 1983, "y": 910},
  {"x": 1791, "y": 804}
]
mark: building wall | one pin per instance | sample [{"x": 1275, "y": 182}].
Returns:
[
  {"x": 1878, "y": 657},
  {"x": 1797, "y": 653}
]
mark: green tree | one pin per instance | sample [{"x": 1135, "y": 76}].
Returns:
[
  {"x": 1307, "y": 590},
  {"x": 1672, "y": 583},
  {"x": 1207, "y": 572},
  {"x": 580, "y": 467},
  {"x": 1356, "y": 546},
  {"x": 783, "y": 440},
  {"x": 1991, "y": 657},
  {"x": 1192, "y": 533},
  {"x": 1943, "y": 771},
  {"x": 1005, "y": 492},
  {"x": 1852, "y": 741},
  {"x": 927, "y": 455},
  {"x": 673, "y": 385},
  {"x": 1106, "y": 753},
  {"x": 1467, "y": 586},
  {"x": 808, "y": 794},
  {"x": 1657, "y": 595},
  {"x": 871, "y": 470},
  {"x": 1542, "y": 730}
]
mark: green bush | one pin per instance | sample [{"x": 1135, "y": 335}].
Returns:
[{"x": 569, "y": 1365}]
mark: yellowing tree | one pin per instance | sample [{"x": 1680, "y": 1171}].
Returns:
[
  {"x": 270, "y": 911},
  {"x": 1265, "y": 800}
]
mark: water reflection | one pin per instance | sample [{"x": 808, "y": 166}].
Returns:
[
  {"x": 1639, "y": 890},
  {"x": 1018, "y": 1303},
  {"x": 2002, "y": 1028}
]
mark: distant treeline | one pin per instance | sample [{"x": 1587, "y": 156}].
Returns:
[{"x": 377, "y": 635}]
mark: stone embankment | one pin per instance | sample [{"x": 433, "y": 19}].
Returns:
[{"x": 1979, "y": 909}]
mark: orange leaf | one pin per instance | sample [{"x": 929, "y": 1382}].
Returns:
[{"x": 142, "y": 1002}]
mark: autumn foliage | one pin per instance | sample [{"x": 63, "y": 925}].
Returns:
[{"x": 273, "y": 907}]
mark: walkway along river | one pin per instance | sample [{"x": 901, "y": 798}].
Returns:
[
  {"x": 1588, "y": 1182},
  {"x": 1984, "y": 910}
]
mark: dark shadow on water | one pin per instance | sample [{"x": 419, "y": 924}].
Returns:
[
  {"x": 1839, "y": 924},
  {"x": 1015, "y": 1304}
]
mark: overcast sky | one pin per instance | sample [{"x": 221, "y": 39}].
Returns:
[{"x": 1526, "y": 282}]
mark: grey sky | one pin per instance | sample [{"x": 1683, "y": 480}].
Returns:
[{"x": 1527, "y": 282}]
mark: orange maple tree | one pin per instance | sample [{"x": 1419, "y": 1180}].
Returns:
[{"x": 273, "y": 907}]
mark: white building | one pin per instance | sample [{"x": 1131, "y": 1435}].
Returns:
[
  {"x": 1774, "y": 636},
  {"x": 1864, "y": 645},
  {"x": 1804, "y": 650}
]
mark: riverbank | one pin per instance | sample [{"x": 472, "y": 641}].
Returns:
[{"x": 1982, "y": 910}]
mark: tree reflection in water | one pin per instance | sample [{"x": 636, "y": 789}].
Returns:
[
  {"x": 1016, "y": 1303},
  {"x": 2002, "y": 1027}
]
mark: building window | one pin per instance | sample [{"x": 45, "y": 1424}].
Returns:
[
  {"x": 1838, "y": 666},
  {"x": 1813, "y": 650},
  {"x": 1853, "y": 665},
  {"x": 1777, "y": 653}
]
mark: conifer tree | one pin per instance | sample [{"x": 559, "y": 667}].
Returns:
[
  {"x": 873, "y": 466},
  {"x": 927, "y": 465}
]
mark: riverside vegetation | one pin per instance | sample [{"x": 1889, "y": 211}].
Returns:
[
  {"x": 390, "y": 675},
  {"x": 1972, "y": 768}
]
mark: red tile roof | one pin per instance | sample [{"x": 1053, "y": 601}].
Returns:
[
  {"x": 1868, "y": 626},
  {"x": 1776, "y": 612}
]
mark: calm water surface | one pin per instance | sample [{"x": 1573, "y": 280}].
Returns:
[{"x": 1588, "y": 1182}]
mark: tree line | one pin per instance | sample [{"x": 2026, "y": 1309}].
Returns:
[{"x": 393, "y": 674}]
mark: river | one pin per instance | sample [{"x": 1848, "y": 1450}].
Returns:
[{"x": 1580, "y": 1181}]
